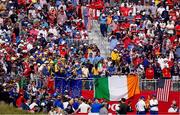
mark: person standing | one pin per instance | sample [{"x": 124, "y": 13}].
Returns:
[
  {"x": 154, "y": 105},
  {"x": 149, "y": 72},
  {"x": 70, "y": 109},
  {"x": 104, "y": 110},
  {"x": 123, "y": 107},
  {"x": 174, "y": 108},
  {"x": 95, "y": 107},
  {"x": 141, "y": 106},
  {"x": 103, "y": 25},
  {"x": 83, "y": 107}
]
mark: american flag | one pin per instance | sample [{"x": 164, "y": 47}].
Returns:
[{"x": 163, "y": 90}]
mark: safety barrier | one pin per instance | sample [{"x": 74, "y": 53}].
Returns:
[
  {"x": 145, "y": 84},
  {"x": 152, "y": 85},
  {"x": 77, "y": 42}
]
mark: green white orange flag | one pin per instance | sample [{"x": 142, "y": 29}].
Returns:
[{"x": 116, "y": 87}]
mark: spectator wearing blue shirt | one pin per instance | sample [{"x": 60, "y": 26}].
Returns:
[
  {"x": 97, "y": 58},
  {"x": 103, "y": 25},
  {"x": 83, "y": 59},
  {"x": 145, "y": 62},
  {"x": 111, "y": 69},
  {"x": 58, "y": 103},
  {"x": 76, "y": 104},
  {"x": 96, "y": 106},
  {"x": 113, "y": 42},
  {"x": 177, "y": 52},
  {"x": 90, "y": 58}
]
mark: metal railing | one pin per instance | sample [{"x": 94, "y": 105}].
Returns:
[
  {"x": 152, "y": 85},
  {"x": 77, "y": 42},
  {"x": 145, "y": 85}
]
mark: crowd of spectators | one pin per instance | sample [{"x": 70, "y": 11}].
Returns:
[
  {"x": 45, "y": 39},
  {"x": 143, "y": 38}
]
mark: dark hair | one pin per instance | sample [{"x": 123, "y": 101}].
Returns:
[
  {"x": 123, "y": 99},
  {"x": 96, "y": 66}
]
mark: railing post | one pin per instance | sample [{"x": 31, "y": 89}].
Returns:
[
  {"x": 155, "y": 87},
  {"x": 140, "y": 83}
]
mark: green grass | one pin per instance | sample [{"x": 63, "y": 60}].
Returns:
[{"x": 7, "y": 109}]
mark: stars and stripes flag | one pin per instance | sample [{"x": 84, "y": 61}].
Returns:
[{"x": 163, "y": 90}]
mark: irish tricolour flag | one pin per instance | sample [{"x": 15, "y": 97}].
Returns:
[{"x": 116, "y": 87}]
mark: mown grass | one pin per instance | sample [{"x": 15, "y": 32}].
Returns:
[{"x": 7, "y": 109}]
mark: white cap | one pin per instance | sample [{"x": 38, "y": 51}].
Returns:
[
  {"x": 115, "y": 50},
  {"x": 46, "y": 62},
  {"x": 24, "y": 51},
  {"x": 63, "y": 42},
  {"x": 115, "y": 20},
  {"x": 31, "y": 57},
  {"x": 39, "y": 8},
  {"x": 13, "y": 58}
]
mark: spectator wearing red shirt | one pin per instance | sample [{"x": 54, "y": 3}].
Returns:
[
  {"x": 50, "y": 84},
  {"x": 63, "y": 52},
  {"x": 99, "y": 4},
  {"x": 127, "y": 41},
  {"x": 125, "y": 10},
  {"x": 137, "y": 18},
  {"x": 21, "y": 2},
  {"x": 125, "y": 25},
  {"x": 136, "y": 61},
  {"x": 166, "y": 72},
  {"x": 27, "y": 69},
  {"x": 80, "y": 25},
  {"x": 136, "y": 40},
  {"x": 52, "y": 16},
  {"x": 149, "y": 72},
  {"x": 19, "y": 101},
  {"x": 177, "y": 28}
]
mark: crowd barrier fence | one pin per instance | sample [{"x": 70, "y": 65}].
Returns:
[
  {"x": 145, "y": 84},
  {"x": 77, "y": 42}
]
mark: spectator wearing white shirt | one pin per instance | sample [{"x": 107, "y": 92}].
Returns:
[
  {"x": 163, "y": 62},
  {"x": 173, "y": 108},
  {"x": 162, "y": 24},
  {"x": 43, "y": 2},
  {"x": 85, "y": 71},
  {"x": 141, "y": 106},
  {"x": 160, "y": 10},
  {"x": 43, "y": 32},
  {"x": 150, "y": 33},
  {"x": 53, "y": 30},
  {"x": 139, "y": 7},
  {"x": 33, "y": 105},
  {"x": 154, "y": 105},
  {"x": 153, "y": 9},
  {"x": 65, "y": 103},
  {"x": 62, "y": 5},
  {"x": 32, "y": 13},
  {"x": 170, "y": 27},
  {"x": 83, "y": 107}
]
